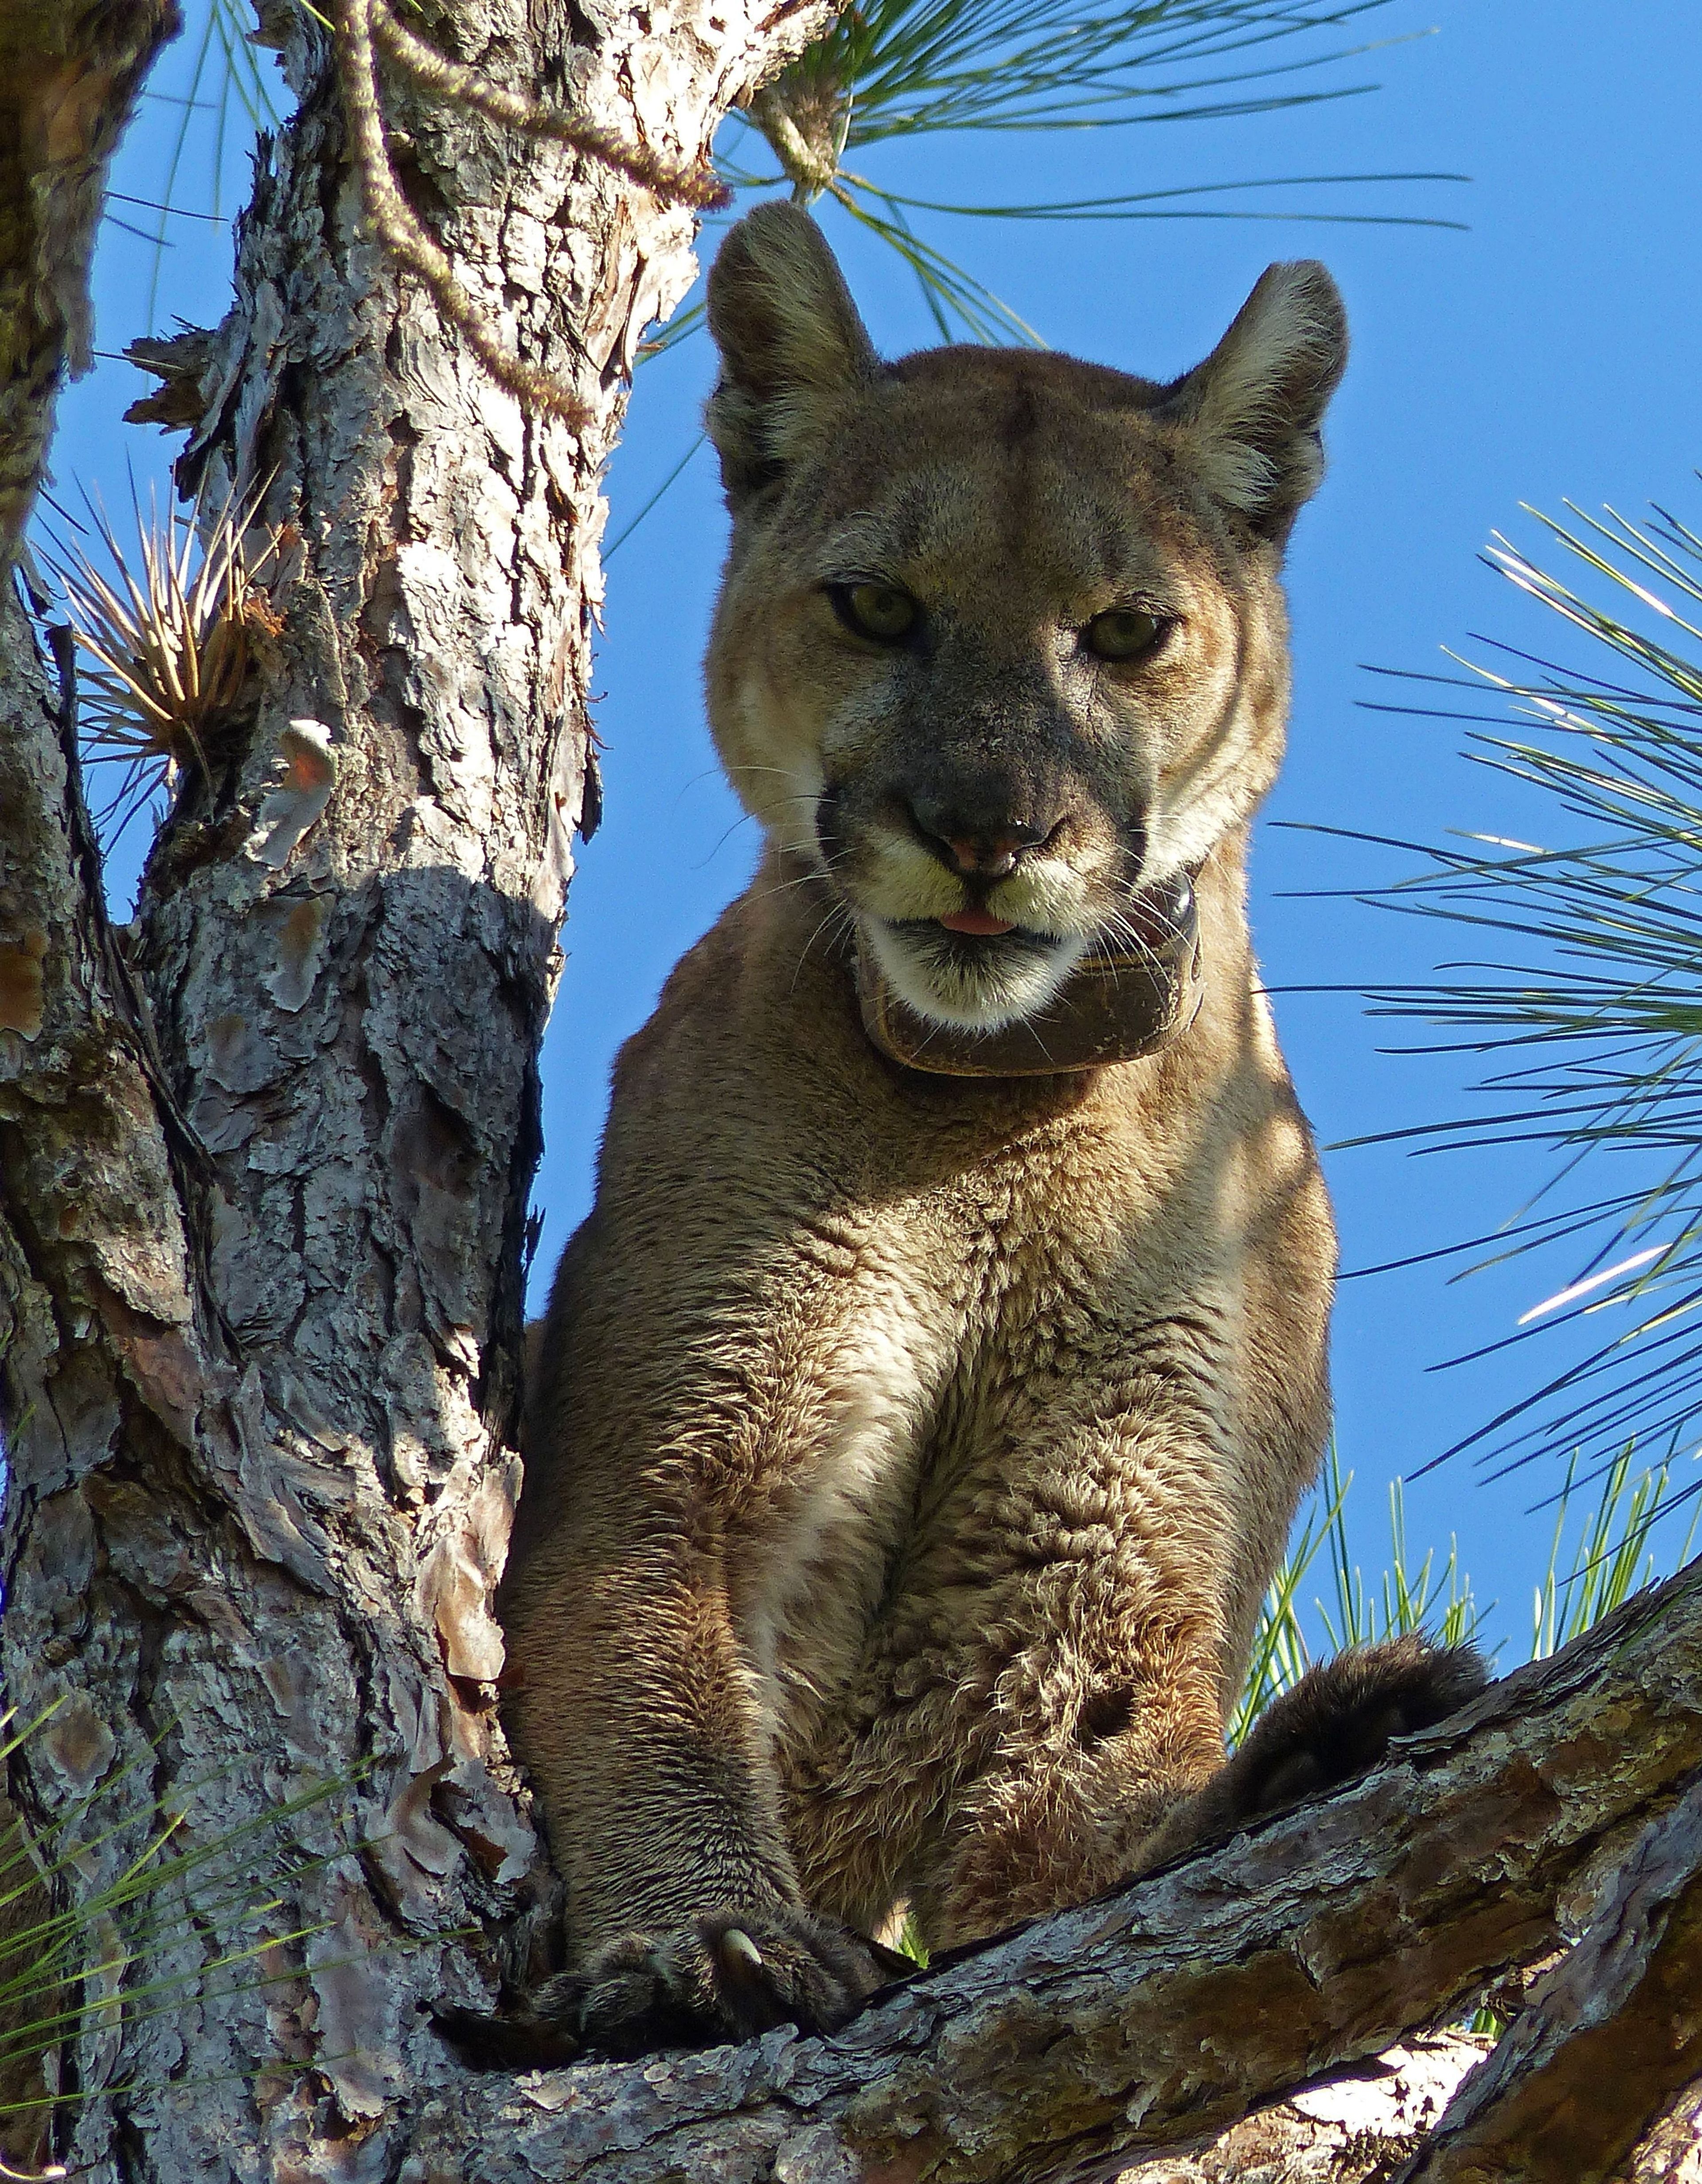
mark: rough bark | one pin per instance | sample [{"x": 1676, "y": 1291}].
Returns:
[
  {"x": 1159, "y": 2017},
  {"x": 1359, "y": 2125},
  {"x": 265, "y": 1156},
  {"x": 69, "y": 75},
  {"x": 1603, "y": 2042},
  {"x": 1349, "y": 2128}
]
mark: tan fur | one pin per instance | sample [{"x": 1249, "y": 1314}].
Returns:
[{"x": 907, "y": 1456}]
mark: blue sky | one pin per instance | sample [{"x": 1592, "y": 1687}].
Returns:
[{"x": 1551, "y": 351}]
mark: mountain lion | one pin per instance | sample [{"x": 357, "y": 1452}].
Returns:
[{"x": 920, "y": 1412}]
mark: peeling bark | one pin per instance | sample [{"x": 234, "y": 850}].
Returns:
[
  {"x": 1359, "y": 2125},
  {"x": 265, "y": 1156},
  {"x": 1350, "y": 2128},
  {"x": 1603, "y": 2042}
]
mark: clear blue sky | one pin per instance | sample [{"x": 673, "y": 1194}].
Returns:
[{"x": 1552, "y": 351}]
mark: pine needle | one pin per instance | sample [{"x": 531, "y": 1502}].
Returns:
[{"x": 1584, "y": 987}]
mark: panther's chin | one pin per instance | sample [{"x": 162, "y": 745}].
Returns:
[{"x": 973, "y": 982}]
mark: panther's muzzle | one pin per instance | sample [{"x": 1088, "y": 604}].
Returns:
[{"x": 1119, "y": 1003}]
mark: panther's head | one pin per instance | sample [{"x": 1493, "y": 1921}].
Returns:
[{"x": 1001, "y": 639}]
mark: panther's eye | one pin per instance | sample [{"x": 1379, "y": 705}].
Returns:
[
  {"x": 881, "y": 611},
  {"x": 1121, "y": 633}
]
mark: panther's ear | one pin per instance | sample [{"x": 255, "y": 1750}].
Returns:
[
  {"x": 792, "y": 346},
  {"x": 1251, "y": 411}
]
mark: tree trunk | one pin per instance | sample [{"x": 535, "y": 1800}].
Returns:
[
  {"x": 263, "y": 1162},
  {"x": 265, "y": 1154}
]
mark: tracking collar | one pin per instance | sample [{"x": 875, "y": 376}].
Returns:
[{"x": 1116, "y": 1006}]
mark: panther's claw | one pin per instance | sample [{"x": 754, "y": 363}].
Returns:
[
  {"x": 723, "y": 1977},
  {"x": 740, "y": 1952}
]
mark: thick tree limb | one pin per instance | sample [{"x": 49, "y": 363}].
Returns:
[
  {"x": 95, "y": 1307},
  {"x": 1603, "y": 2042},
  {"x": 99, "y": 1292},
  {"x": 69, "y": 75},
  {"x": 1671, "y": 2153},
  {"x": 95, "y": 1300},
  {"x": 1358, "y": 2125},
  {"x": 1158, "y": 2017}
]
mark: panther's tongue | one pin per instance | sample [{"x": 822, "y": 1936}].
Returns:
[{"x": 981, "y": 923}]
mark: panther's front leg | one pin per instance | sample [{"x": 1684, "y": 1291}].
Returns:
[
  {"x": 687, "y": 1457},
  {"x": 1072, "y": 1732},
  {"x": 686, "y": 1919}
]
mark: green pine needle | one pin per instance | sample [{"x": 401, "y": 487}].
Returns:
[
  {"x": 1614, "y": 1554},
  {"x": 897, "y": 70},
  {"x": 1586, "y": 998},
  {"x": 225, "y": 81}
]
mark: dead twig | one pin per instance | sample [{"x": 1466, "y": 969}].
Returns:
[
  {"x": 696, "y": 186},
  {"x": 394, "y": 223}
]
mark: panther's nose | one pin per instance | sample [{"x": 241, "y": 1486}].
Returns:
[
  {"x": 975, "y": 848},
  {"x": 984, "y": 858}
]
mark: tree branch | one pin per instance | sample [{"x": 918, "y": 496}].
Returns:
[
  {"x": 1157, "y": 2017},
  {"x": 93, "y": 1254},
  {"x": 95, "y": 1312},
  {"x": 1351, "y": 2127},
  {"x": 1604, "y": 2040},
  {"x": 69, "y": 76},
  {"x": 84, "y": 1162}
]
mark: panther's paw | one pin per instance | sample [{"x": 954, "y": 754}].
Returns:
[
  {"x": 1338, "y": 1721},
  {"x": 520, "y": 2041},
  {"x": 728, "y": 1976},
  {"x": 1335, "y": 1723}
]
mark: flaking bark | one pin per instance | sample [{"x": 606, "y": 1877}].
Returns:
[{"x": 1603, "y": 2042}]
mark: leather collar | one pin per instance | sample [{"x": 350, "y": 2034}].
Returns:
[{"x": 1116, "y": 1006}]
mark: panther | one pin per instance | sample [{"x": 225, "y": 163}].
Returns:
[{"x": 920, "y": 1412}]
